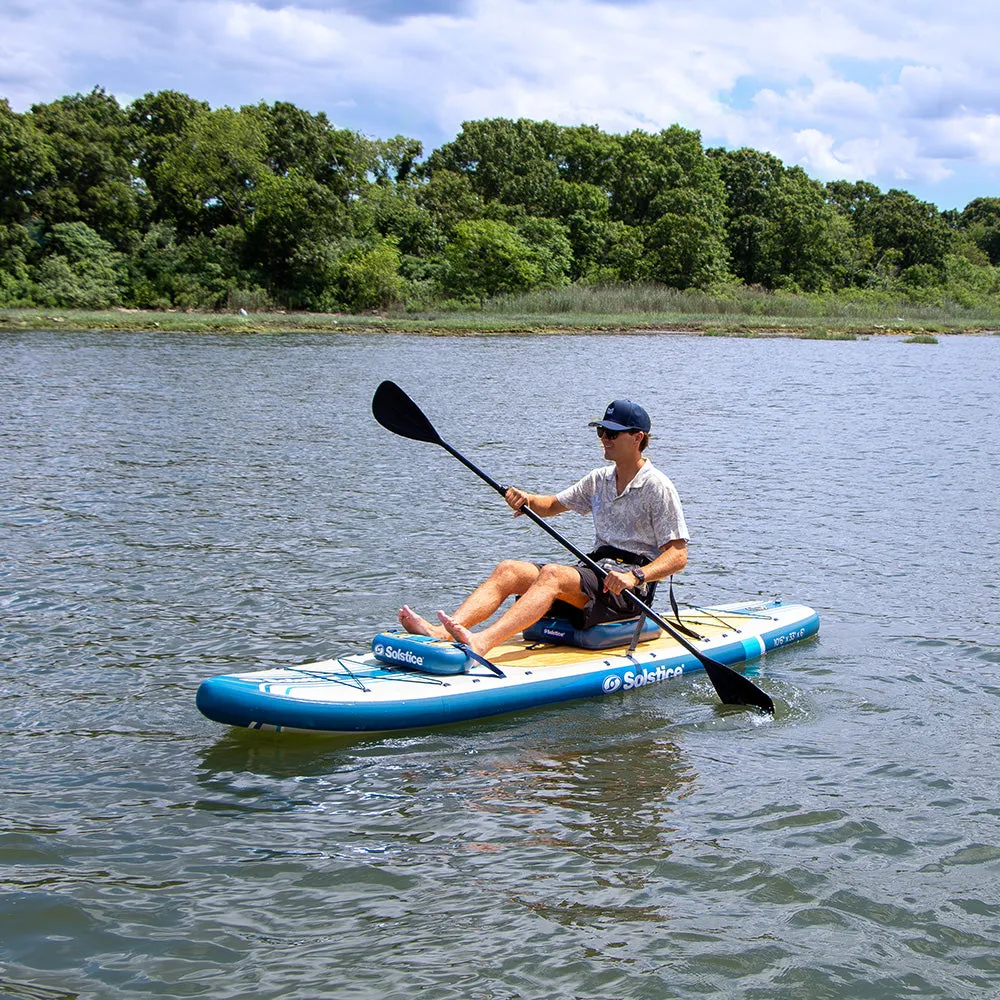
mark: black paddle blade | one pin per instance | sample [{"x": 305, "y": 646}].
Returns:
[
  {"x": 396, "y": 412},
  {"x": 734, "y": 689}
]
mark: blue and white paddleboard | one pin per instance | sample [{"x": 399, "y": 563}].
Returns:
[{"x": 409, "y": 682}]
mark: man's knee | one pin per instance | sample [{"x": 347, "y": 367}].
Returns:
[
  {"x": 515, "y": 576},
  {"x": 560, "y": 580}
]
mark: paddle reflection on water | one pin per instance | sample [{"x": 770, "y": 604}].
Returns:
[{"x": 594, "y": 801}]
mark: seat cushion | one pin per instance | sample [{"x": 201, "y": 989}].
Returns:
[{"x": 561, "y": 632}]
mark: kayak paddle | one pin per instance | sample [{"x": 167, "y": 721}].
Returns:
[{"x": 395, "y": 411}]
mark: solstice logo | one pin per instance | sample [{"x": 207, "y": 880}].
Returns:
[
  {"x": 392, "y": 654},
  {"x": 611, "y": 683}
]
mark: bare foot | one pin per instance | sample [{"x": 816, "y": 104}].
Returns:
[
  {"x": 416, "y": 625},
  {"x": 461, "y": 634}
]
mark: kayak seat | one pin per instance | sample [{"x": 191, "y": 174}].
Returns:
[{"x": 562, "y": 632}]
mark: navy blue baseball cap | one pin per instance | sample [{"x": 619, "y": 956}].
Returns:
[{"x": 624, "y": 415}]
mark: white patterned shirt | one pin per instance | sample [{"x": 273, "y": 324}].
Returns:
[{"x": 643, "y": 519}]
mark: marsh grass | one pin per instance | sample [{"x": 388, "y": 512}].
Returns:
[
  {"x": 733, "y": 311},
  {"x": 741, "y": 302}
]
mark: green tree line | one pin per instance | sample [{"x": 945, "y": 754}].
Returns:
[{"x": 169, "y": 203}]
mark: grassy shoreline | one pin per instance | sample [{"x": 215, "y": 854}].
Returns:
[{"x": 475, "y": 323}]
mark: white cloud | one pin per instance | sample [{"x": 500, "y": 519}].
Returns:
[
  {"x": 980, "y": 136},
  {"x": 816, "y": 155},
  {"x": 897, "y": 92}
]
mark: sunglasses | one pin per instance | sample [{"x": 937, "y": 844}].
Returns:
[{"x": 603, "y": 432}]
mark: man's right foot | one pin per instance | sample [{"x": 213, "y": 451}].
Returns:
[
  {"x": 461, "y": 634},
  {"x": 416, "y": 625}
]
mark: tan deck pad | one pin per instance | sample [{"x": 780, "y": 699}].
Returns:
[{"x": 711, "y": 625}]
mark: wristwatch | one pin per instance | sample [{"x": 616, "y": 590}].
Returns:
[{"x": 639, "y": 575}]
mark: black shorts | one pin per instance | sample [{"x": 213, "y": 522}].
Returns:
[{"x": 601, "y": 605}]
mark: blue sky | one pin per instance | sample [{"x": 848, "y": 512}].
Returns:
[{"x": 903, "y": 94}]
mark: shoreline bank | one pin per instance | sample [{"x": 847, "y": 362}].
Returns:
[{"x": 477, "y": 324}]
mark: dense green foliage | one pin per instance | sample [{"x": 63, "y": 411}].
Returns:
[{"x": 168, "y": 203}]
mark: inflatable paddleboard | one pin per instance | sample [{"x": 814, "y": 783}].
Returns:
[{"x": 409, "y": 682}]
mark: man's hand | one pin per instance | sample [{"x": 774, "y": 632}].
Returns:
[
  {"x": 616, "y": 583},
  {"x": 516, "y": 499}
]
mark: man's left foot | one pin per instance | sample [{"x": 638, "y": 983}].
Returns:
[
  {"x": 461, "y": 634},
  {"x": 416, "y": 625}
]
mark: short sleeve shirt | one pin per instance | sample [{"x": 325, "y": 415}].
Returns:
[{"x": 643, "y": 519}]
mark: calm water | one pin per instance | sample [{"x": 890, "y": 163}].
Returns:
[{"x": 178, "y": 506}]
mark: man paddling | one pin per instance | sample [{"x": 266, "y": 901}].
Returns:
[{"x": 641, "y": 537}]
